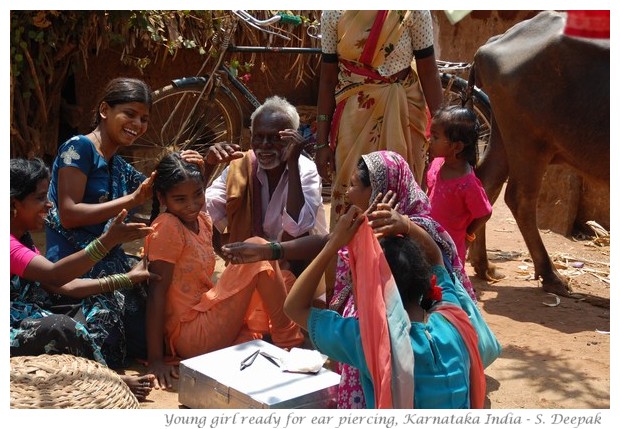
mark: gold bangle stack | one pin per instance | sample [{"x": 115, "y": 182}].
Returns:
[
  {"x": 95, "y": 250},
  {"x": 115, "y": 281}
]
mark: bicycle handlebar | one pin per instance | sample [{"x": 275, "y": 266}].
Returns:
[
  {"x": 244, "y": 15},
  {"x": 289, "y": 19},
  {"x": 261, "y": 24},
  {"x": 282, "y": 17}
]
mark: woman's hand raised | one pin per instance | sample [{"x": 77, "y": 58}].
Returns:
[
  {"x": 144, "y": 192},
  {"x": 384, "y": 218},
  {"x": 121, "y": 232},
  {"x": 223, "y": 152}
]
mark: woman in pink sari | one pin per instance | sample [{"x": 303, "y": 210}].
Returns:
[{"x": 379, "y": 173}]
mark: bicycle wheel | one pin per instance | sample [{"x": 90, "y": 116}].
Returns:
[
  {"x": 181, "y": 119},
  {"x": 454, "y": 92}
]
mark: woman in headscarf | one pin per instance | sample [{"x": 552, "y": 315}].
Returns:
[
  {"x": 377, "y": 174},
  {"x": 380, "y": 175}
]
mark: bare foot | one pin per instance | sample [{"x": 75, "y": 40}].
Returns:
[{"x": 140, "y": 385}]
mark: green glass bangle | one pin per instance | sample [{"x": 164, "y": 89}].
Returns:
[
  {"x": 322, "y": 118},
  {"x": 276, "y": 250},
  {"x": 95, "y": 250},
  {"x": 321, "y": 146}
]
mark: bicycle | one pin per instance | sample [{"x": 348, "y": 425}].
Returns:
[{"x": 198, "y": 111}]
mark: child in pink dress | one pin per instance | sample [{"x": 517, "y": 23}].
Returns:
[{"x": 458, "y": 200}]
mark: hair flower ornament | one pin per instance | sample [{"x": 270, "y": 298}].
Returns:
[{"x": 434, "y": 293}]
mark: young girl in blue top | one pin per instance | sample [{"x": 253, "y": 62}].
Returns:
[
  {"x": 90, "y": 184},
  {"x": 445, "y": 365}
]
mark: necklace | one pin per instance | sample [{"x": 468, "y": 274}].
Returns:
[
  {"x": 109, "y": 195},
  {"x": 99, "y": 143}
]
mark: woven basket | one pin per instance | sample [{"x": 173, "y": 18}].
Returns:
[{"x": 66, "y": 381}]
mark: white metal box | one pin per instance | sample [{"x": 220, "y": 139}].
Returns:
[{"x": 214, "y": 380}]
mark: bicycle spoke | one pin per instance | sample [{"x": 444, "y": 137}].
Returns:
[{"x": 182, "y": 118}]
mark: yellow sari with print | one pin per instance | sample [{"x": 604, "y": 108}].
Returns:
[{"x": 373, "y": 112}]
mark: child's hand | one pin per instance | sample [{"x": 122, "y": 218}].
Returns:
[
  {"x": 121, "y": 232},
  {"x": 243, "y": 252},
  {"x": 346, "y": 227},
  {"x": 223, "y": 152}
]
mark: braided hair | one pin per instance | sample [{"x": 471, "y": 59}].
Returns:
[
  {"x": 410, "y": 268},
  {"x": 172, "y": 170}
]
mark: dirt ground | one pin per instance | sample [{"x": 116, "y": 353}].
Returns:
[{"x": 554, "y": 357}]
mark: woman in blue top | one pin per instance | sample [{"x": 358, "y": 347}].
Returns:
[
  {"x": 443, "y": 363},
  {"x": 90, "y": 184}
]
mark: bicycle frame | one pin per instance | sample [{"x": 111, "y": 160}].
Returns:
[
  {"x": 243, "y": 89},
  {"x": 223, "y": 112}
]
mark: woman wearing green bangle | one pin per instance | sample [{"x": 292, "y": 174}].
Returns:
[{"x": 37, "y": 325}]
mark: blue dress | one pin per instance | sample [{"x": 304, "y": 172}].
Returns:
[
  {"x": 441, "y": 370},
  {"x": 115, "y": 320}
]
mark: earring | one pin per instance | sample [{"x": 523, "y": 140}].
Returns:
[{"x": 13, "y": 212}]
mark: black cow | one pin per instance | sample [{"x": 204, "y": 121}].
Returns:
[{"x": 549, "y": 95}]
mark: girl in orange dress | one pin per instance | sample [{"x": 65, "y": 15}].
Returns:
[{"x": 187, "y": 314}]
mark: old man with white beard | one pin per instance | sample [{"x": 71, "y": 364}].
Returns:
[{"x": 272, "y": 192}]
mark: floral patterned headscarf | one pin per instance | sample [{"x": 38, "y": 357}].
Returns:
[{"x": 390, "y": 172}]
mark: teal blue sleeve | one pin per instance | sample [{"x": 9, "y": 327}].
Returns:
[
  {"x": 336, "y": 336},
  {"x": 489, "y": 347},
  {"x": 339, "y": 338}
]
